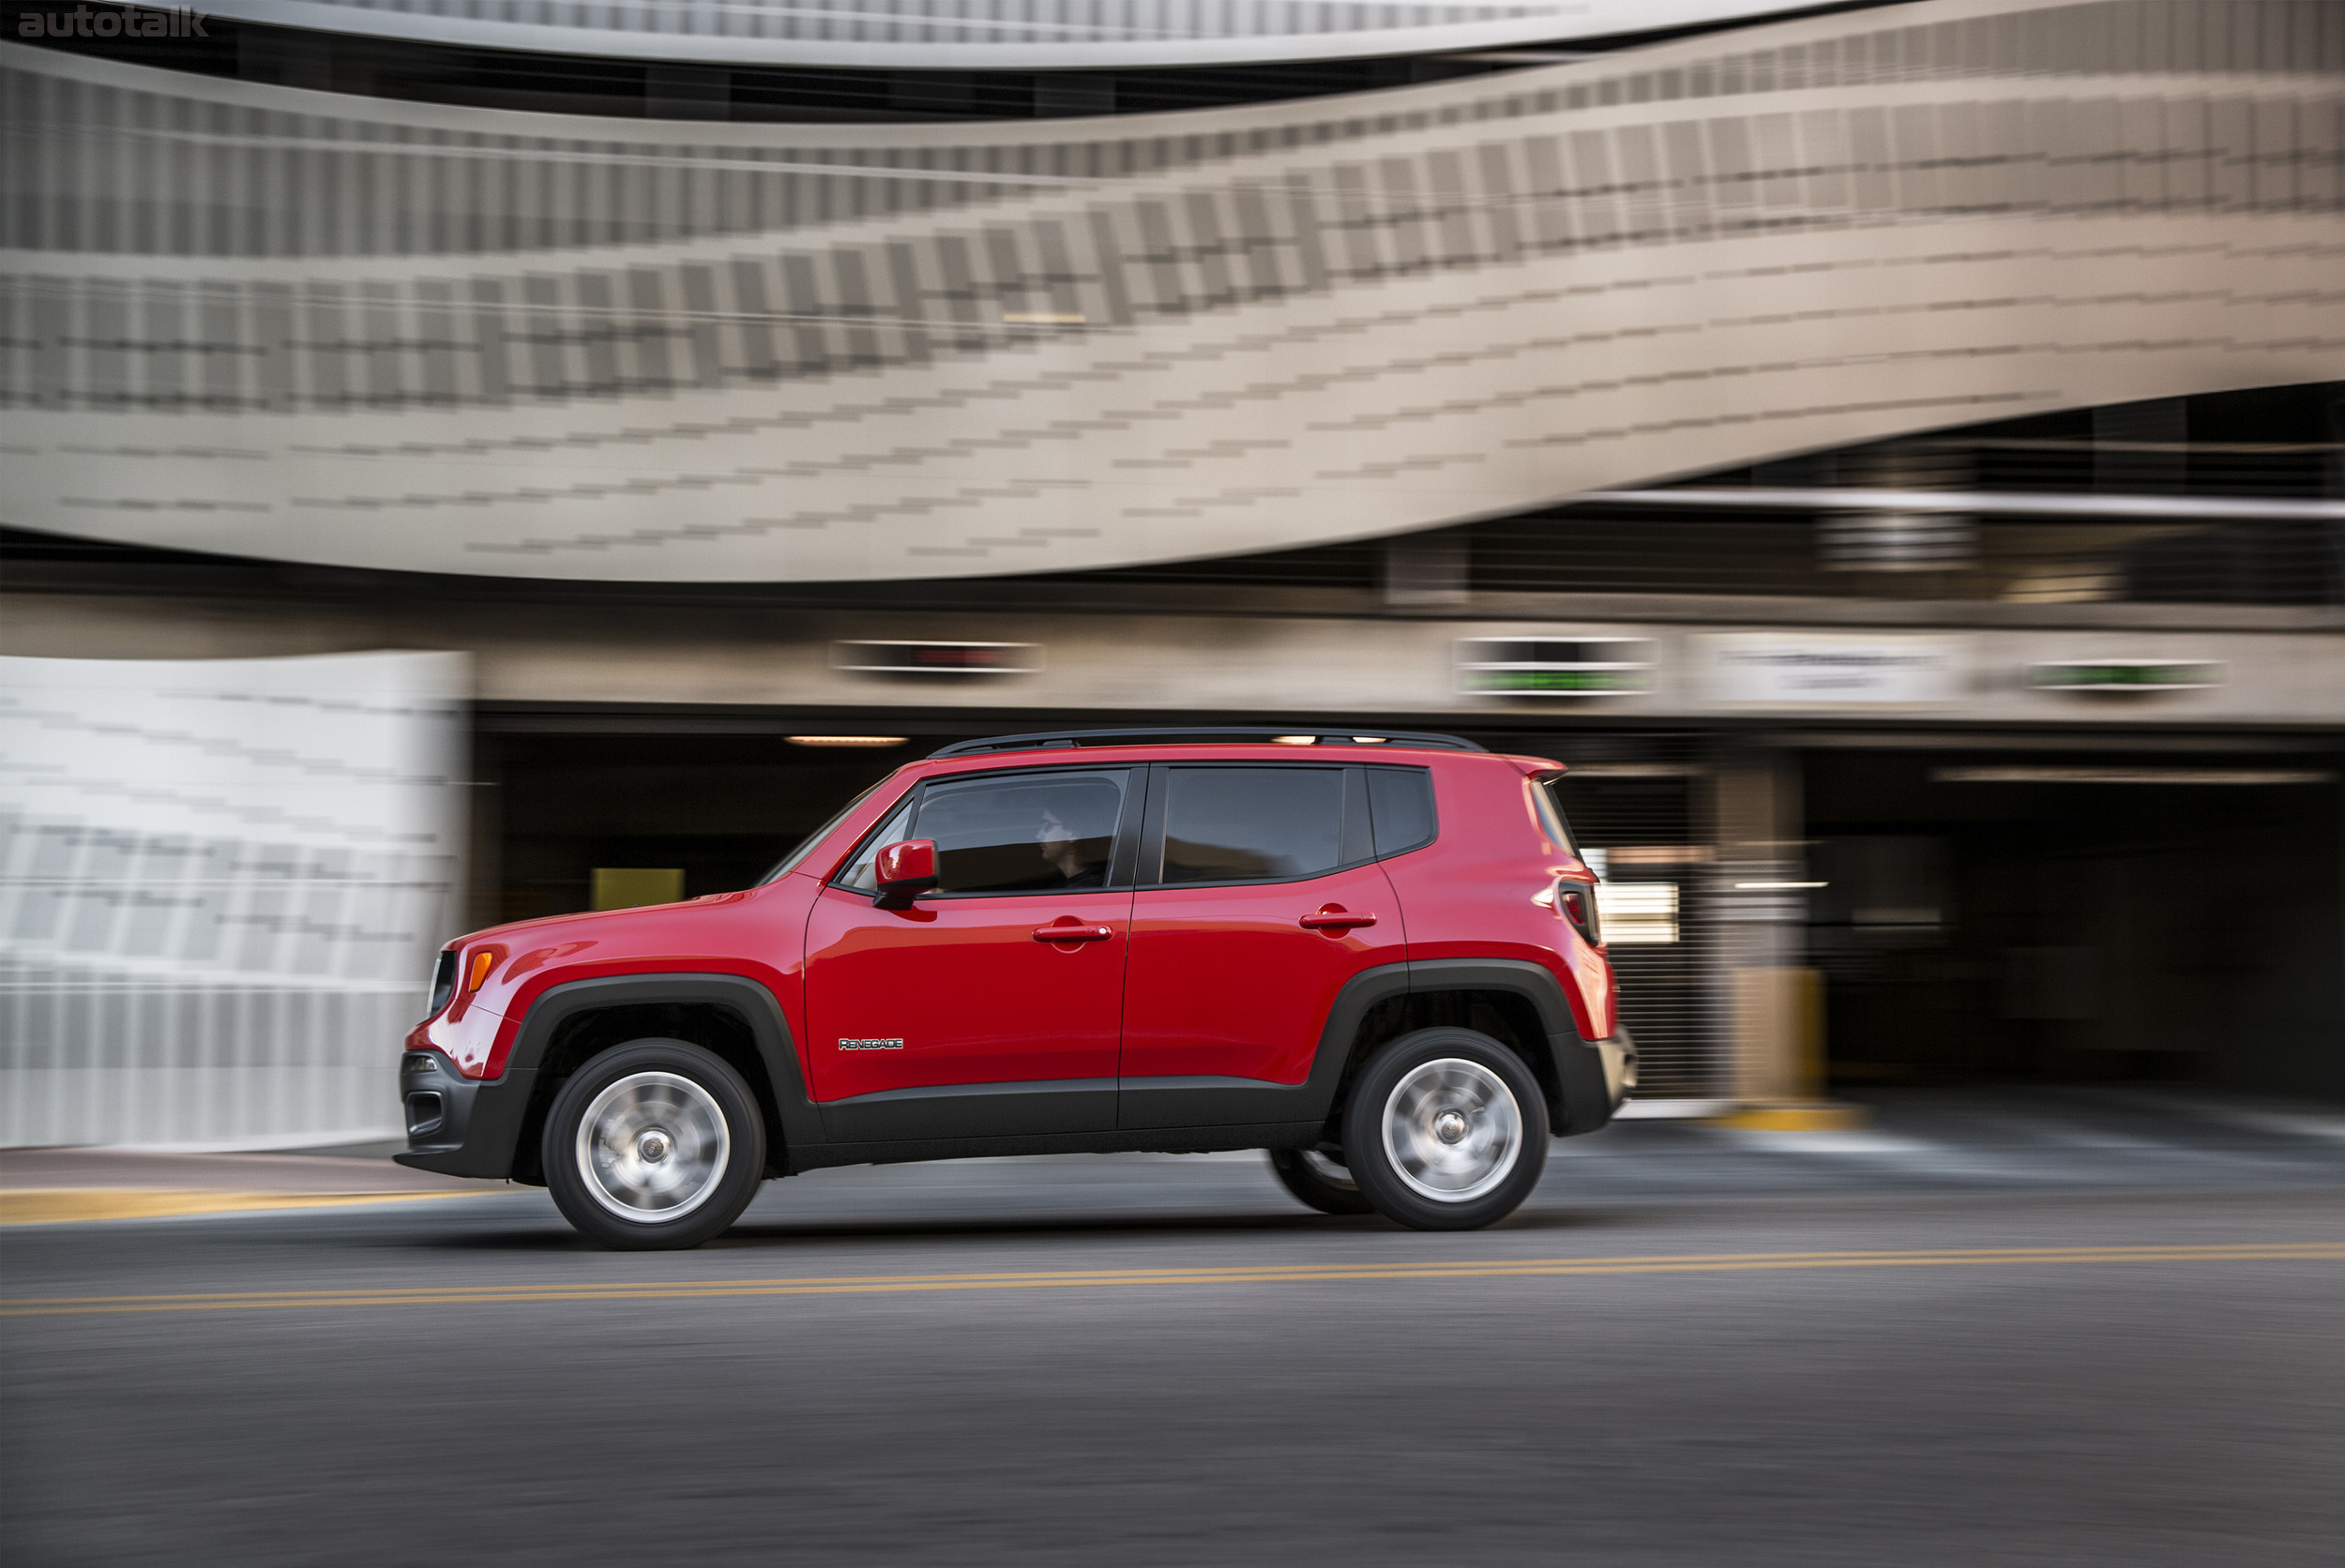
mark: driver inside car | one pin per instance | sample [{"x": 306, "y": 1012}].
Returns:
[{"x": 1077, "y": 848}]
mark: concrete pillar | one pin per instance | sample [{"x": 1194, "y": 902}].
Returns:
[{"x": 1771, "y": 1002}]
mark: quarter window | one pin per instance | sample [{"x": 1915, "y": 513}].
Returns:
[
  {"x": 1250, "y": 823},
  {"x": 1401, "y": 801},
  {"x": 1024, "y": 833}
]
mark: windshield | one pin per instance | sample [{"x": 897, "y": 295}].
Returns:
[{"x": 789, "y": 862}]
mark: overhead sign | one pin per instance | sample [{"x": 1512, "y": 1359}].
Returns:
[
  {"x": 2126, "y": 674},
  {"x": 1806, "y": 669},
  {"x": 937, "y": 658},
  {"x": 1554, "y": 666}
]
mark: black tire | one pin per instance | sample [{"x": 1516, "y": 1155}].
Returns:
[
  {"x": 678, "y": 1154},
  {"x": 1320, "y": 1182},
  {"x": 1468, "y": 1124}
]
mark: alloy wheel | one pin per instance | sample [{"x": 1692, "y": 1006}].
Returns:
[
  {"x": 1452, "y": 1129},
  {"x": 653, "y": 1146}
]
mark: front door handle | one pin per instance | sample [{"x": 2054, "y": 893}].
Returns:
[
  {"x": 1334, "y": 917},
  {"x": 1070, "y": 930}
]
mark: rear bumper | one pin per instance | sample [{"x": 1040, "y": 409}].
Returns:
[
  {"x": 1595, "y": 1079},
  {"x": 456, "y": 1125},
  {"x": 1620, "y": 1065}
]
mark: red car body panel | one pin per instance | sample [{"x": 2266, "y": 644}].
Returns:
[
  {"x": 1485, "y": 888},
  {"x": 963, "y": 989},
  {"x": 1227, "y": 982},
  {"x": 1207, "y": 981},
  {"x": 759, "y": 935}
]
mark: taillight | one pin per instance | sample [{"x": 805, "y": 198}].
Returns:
[{"x": 1576, "y": 900}]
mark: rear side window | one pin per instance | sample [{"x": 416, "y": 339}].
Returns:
[
  {"x": 1248, "y": 823},
  {"x": 1024, "y": 833},
  {"x": 1401, "y": 802}
]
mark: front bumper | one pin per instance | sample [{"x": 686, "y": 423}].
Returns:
[{"x": 456, "y": 1125}]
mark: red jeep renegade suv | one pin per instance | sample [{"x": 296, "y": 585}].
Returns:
[{"x": 1375, "y": 956}]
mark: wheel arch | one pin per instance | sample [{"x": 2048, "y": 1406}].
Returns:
[
  {"x": 1518, "y": 1003},
  {"x": 731, "y": 1015}
]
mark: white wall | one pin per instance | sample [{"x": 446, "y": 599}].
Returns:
[{"x": 222, "y": 886}]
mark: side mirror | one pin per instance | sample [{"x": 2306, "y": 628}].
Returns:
[{"x": 906, "y": 870}]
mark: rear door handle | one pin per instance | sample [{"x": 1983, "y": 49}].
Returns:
[
  {"x": 1332, "y": 917},
  {"x": 1072, "y": 932}
]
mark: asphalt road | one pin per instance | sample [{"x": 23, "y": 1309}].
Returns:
[{"x": 2089, "y": 1346}]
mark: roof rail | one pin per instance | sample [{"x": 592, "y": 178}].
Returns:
[{"x": 1288, "y": 736}]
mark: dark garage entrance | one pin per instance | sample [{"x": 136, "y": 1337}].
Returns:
[
  {"x": 1991, "y": 914},
  {"x": 715, "y": 795},
  {"x": 2078, "y": 918},
  {"x": 693, "y": 801}
]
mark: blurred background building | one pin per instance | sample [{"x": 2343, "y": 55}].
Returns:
[{"x": 1895, "y": 453}]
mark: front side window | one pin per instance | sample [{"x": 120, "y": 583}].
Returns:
[
  {"x": 1024, "y": 833},
  {"x": 1240, "y": 823}
]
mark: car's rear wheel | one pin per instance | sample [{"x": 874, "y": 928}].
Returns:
[
  {"x": 1445, "y": 1129},
  {"x": 656, "y": 1144},
  {"x": 1319, "y": 1181}
]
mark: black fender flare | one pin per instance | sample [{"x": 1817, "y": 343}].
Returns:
[
  {"x": 1579, "y": 1101},
  {"x": 501, "y": 1110}
]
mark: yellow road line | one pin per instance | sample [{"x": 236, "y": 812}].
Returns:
[
  {"x": 1266, "y": 1274},
  {"x": 1245, "y": 1270},
  {"x": 66, "y": 1205}
]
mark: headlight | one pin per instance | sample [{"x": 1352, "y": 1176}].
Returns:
[{"x": 443, "y": 982}]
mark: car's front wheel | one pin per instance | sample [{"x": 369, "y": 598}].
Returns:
[
  {"x": 1445, "y": 1129},
  {"x": 655, "y": 1144}
]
